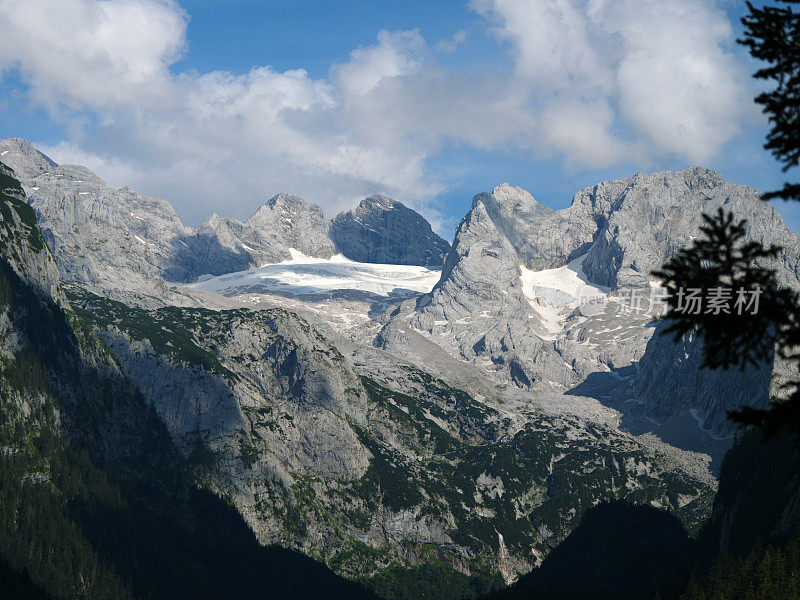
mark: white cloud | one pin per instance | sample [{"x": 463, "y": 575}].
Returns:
[
  {"x": 396, "y": 54},
  {"x": 581, "y": 128},
  {"x": 650, "y": 76},
  {"x": 676, "y": 84},
  {"x": 79, "y": 53},
  {"x": 599, "y": 82},
  {"x": 553, "y": 45}
]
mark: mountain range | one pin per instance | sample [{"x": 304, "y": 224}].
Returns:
[
  {"x": 115, "y": 240},
  {"x": 406, "y": 411}
]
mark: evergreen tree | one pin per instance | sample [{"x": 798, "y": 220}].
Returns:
[{"x": 772, "y": 34}]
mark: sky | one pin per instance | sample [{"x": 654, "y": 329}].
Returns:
[{"x": 217, "y": 106}]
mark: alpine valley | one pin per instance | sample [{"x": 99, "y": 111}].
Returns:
[{"x": 293, "y": 406}]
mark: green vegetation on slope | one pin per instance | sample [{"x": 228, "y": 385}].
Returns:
[
  {"x": 528, "y": 488},
  {"x": 769, "y": 572},
  {"x": 171, "y": 330},
  {"x": 18, "y": 221},
  {"x": 434, "y": 580}
]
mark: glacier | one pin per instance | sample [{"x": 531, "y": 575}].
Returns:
[{"x": 306, "y": 275}]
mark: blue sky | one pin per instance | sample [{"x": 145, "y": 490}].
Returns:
[{"x": 201, "y": 103}]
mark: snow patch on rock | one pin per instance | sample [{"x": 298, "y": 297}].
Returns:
[{"x": 561, "y": 287}]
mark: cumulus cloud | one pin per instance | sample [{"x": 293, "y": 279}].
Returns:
[
  {"x": 79, "y": 53},
  {"x": 396, "y": 54},
  {"x": 597, "y": 82},
  {"x": 643, "y": 78}
]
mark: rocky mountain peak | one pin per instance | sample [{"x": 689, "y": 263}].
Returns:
[
  {"x": 293, "y": 419},
  {"x": 516, "y": 198},
  {"x": 699, "y": 176},
  {"x": 100, "y": 237},
  {"x": 129, "y": 240},
  {"x": 644, "y": 188},
  {"x": 210, "y": 222},
  {"x": 378, "y": 202},
  {"x": 382, "y": 230},
  {"x": 294, "y": 223},
  {"x": 641, "y": 221},
  {"x": 24, "y": 159},
  {"x": 79, "y": 174},
  {"x": 478, "y": 311},
  {"x": 512, "y": 210},
  {"x": 620, "y": 230},
  {"x": 288, "y": 203}
]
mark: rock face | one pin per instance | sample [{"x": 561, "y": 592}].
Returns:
[
  {"x": 21, "y": 242},
  {"x": 631, "y": 226},
  {"x": 642, "y": 221},
  {"x": 621, "y": 230},
  {"x": 478, "y": 310},
  {"x": 671, "y": 381},
  {"x": 59, "y": 356},
  {"x": 628, "y": 227},
  {"x": 26, "y": 161},
  {"x": 296, "y": 223},
  {"x": 284, "y": 223},
  {"x": 111, "y": 240},
  {"x": 103, "y": 238},
  {"x": 284, "y": 369},
  {"x": 382, "y": 230},
  {"x": 75, "y": 431},
  {"x": 217, "y": 248}
]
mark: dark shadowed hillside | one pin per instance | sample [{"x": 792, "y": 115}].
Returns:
[
  {"x": 95, "y": 502},
  {"x": 618, "y": 551}
]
